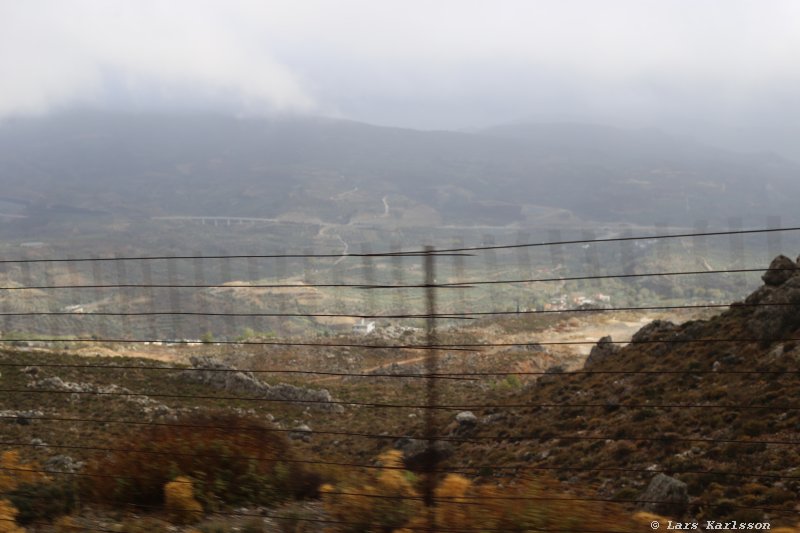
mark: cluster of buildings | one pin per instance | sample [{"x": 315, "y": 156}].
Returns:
[{"x": 575, "y": 300}]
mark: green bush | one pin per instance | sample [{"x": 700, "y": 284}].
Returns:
[{"x": 43, "y": 500}]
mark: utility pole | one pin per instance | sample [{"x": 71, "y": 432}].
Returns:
[{"x": 432, "y": 394}]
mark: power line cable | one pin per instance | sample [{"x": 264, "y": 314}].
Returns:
[
  {"x": 453, "y": 285},
  {"x": 471, "y": 376},
  {"x": 453, "y": 316},
  {"x": 409, "y": 253},
  {"x": 460, "y": 347},
  {"x": 447, "y": 438},
  {"x": 612, "y": 239}
]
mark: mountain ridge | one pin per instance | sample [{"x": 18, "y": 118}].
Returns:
[{"x": 216, "y": 165}]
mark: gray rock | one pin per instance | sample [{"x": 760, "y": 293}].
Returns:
[
  {"x": 23, "y": 418},
  {"x": 655, "y": 330},
  {"x": 466, "y": 418},
  {"x": 149, "y": 406},
  {"x": 601, "y": 351},
  {"x": 301, "y": 432},
  {"x": 417, "y": 455},
  {"x": 221, "y": 376},
  {"x": 780, "y": 270},
  {"x": 63, "y": 463},
  {"x": 759, "y": 295},
  {"x": 779, "y": 312},
  {"x": 30, "y": 370},
  {"x": 492, "y": 418},
  {"x": 534, "y": 347},
  {"x": 670, "y": 495}
]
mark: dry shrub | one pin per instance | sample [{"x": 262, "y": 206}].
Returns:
[
  {"x": 392, "y": 499},
  {"x": 23, "y": 485},
  {"x": 530, "y": 506},
  {"x": 44, "y": 500},
  {"x": 179, "y": 501},
  {"x": 15, "y": 472},
  {"x": 393, "y": 503},
  {"x": 231, "y": 459},
  {"x": 8, "y": 515}
]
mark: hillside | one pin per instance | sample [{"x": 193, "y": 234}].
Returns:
[
  {"x": 100, "y": 168},
  {"x": 713, "y": 403}
]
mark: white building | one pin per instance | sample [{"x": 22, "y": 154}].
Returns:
[{"x": 364, "y": 327}]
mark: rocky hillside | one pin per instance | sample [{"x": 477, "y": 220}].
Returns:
[{"x": 706, "y": 412}]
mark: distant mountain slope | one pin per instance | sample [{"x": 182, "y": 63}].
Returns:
[{"x": 145, "y": 165}]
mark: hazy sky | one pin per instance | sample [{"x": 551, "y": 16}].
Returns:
[{"x": 727, "y": 71}]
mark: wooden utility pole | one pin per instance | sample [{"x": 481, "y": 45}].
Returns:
[{"x": 432, "y": 394}]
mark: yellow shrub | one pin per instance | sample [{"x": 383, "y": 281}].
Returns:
[
  {"x": 385, "y": 502},
  {"x": 15, "y": 472},
  {"x": 389, "y": 501},
  {"x": 450, "y": 495},
  {"x": 8, "y": 514},
  {"x": 180, "y": 503}
]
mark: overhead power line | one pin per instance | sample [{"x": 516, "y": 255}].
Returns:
[{"x": 461, "y": 251}]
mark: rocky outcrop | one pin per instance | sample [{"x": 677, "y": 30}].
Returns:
[
  {"x": 777, "y": 302},
  {"x": 666, "y": 495},
  {"x": 149, "y": 405},
  {"x": 23, "y": 418},
  {"x": 655, "y": 330},
  {"x": 63, "y": 463},
  {"x": 780, "y": 270},
  {"x": 601, "y": 351},
  {"x": 213, "y": 373},
  {"x": 418, "y": 456}
]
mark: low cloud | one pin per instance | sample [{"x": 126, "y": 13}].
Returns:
[
  {"x": 140, "y": 54},
  {"x": 722, "y": 70}
]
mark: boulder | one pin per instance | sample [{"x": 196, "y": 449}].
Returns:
[
  {"x": 666, "y": 495},
  {"x": 780, "y": 270},
  {"x": 466, "y": 418},
  {"x": 601, "y": 351},
  {"x": 779, "y": 312},
  {"x": 466, "y": 422},
  {"x": 301, "y": 432},
  {"x": 418, "y": 456}
]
